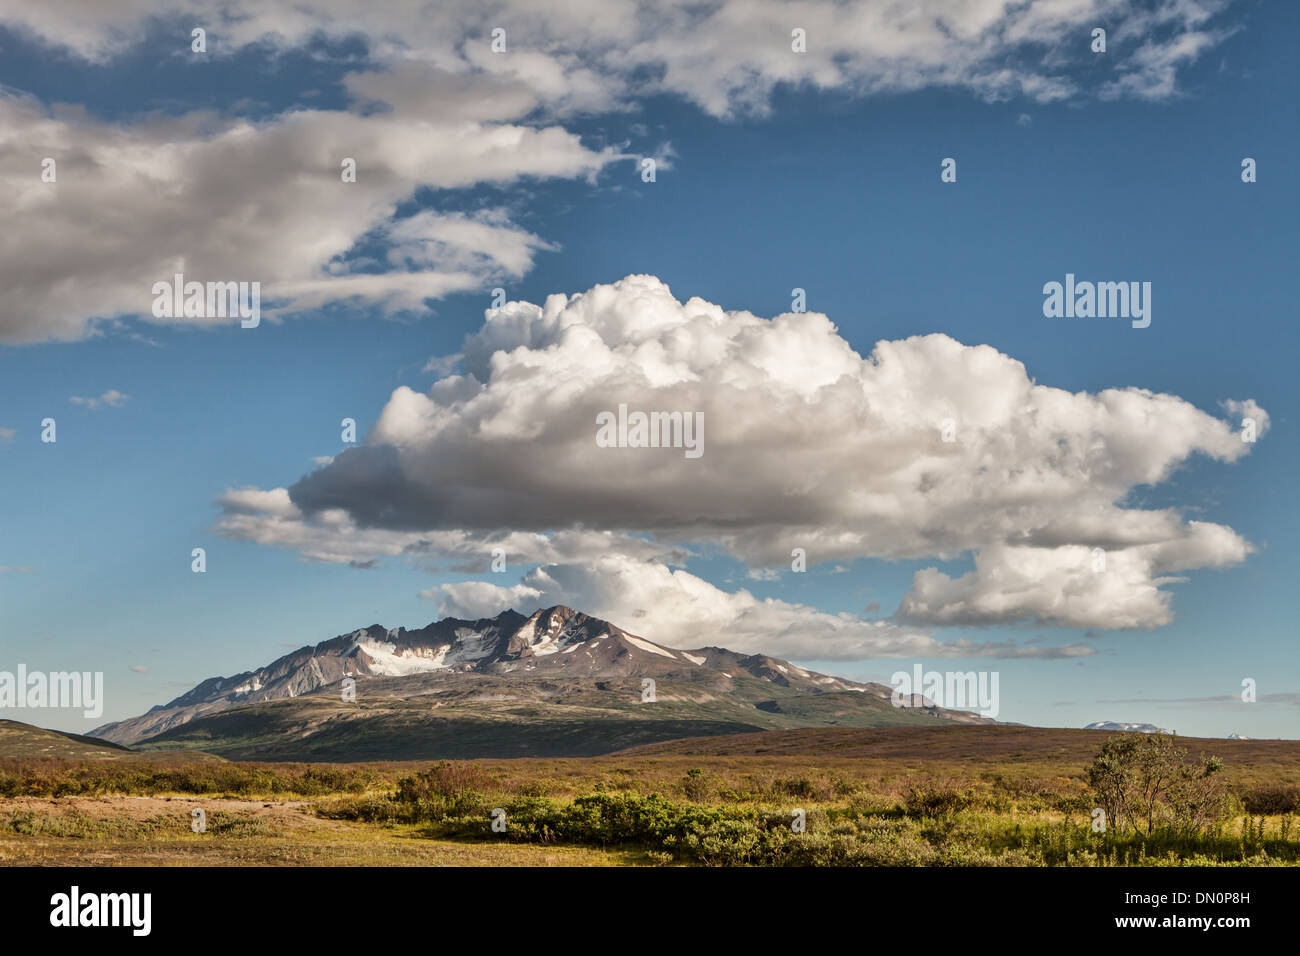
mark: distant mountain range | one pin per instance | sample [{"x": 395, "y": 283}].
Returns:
[
  {"x": 1135, "y": 728},
  {"x": 558, "y": 682}
]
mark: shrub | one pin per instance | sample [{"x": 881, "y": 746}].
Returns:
[
  {"x": 448, "y": 779},
  {"x": 802, "y": 788},
  {"x": 1274, "y": 799},
  {"x": 34, "y": 777},
  {"x": 929, "y": 800},
  {"x": 695, "y": 785},
  {"x": 1143, "y": 782}
]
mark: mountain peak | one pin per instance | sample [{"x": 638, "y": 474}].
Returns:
[
  {"x": 557, "y": 609},
  {"x": 559, "y": 645}
]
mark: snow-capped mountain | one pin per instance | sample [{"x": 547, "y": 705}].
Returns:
[
  {"x": 556, "y": 641},
  {"x": 1133, "y": 728}
]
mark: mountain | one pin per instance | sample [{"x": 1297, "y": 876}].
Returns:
[
  {"x": 24, "y": 740},
  {"x": 1134, "y": 728},
  {"x": 559, "y": 682}
]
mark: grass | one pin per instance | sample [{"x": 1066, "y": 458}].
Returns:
[
  {"x": 23, "y": 740},
  {"x": 932, "y": 826},
  {"x": 956, "y": 797},
  {"x": 61, "y": 778},
  {"x": 110, "y": 831}
]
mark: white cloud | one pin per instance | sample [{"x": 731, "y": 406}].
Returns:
[
  {"x": 1057, "y": 585},
  {"x": 727, "y": 57},
  {"x": 443, "y": 365},
  {"x": 679, "y": 609},
  {"x": 235, "y": 200},
  {"x": 1152, "y": 71},
  {"x": 270, "y": 518},
  {"x": 112, "y": 398},
  {"x": 808, "y": 444},
  {"x": 222, "y": 199}
]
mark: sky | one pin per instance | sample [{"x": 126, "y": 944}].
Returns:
[{"x": 824, "y": 421}]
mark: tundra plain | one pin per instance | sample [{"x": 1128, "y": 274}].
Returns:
[{"x": 895, "y": 796}]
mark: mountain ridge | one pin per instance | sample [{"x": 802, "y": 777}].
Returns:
[{"x": 546, "y": 664}]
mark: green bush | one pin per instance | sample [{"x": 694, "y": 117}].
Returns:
[
  {"x": 929, "y": 800},
  {"x": 802, "y": 788},
  {"x": 51, "y": 778},
  {"x": 452, "y": 780},
  {"x": 1145, "y": 783},
  {"x": 695, "y": 785},
  {"x": 1274, "y": 799}
]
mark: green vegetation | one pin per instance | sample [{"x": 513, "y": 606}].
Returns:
[
  {"x": 56, "y": 778},
  {"x": 896, "y": 797},
  {"x": 1281, "y": 798},
  {"x": 1176, "y": 813},
  {"x": 1144, "y": 784},
  {"x": 852, "y": 835}
]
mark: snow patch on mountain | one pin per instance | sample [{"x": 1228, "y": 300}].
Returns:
[
  {"x": 387, "y": 661},
  {"x": 647, "y": 646}
]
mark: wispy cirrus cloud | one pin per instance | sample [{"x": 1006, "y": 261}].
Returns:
[
  {"x": 1216, "y": 701},
  {"x": 727, "y": 57},
  {"x": 110, "y": 399}
]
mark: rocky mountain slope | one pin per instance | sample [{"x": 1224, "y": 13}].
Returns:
[{"x": 557, "y": 682}]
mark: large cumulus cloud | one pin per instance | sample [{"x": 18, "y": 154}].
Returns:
[{"x": 807, "y": 444}]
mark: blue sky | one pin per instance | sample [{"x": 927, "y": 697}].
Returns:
[{"x": 835, "y": 190}]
